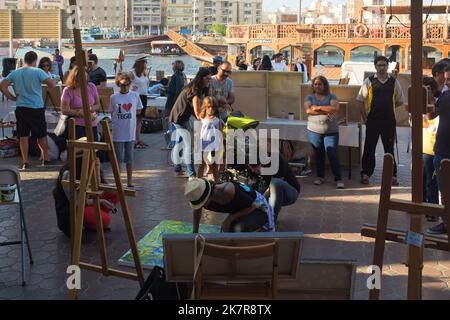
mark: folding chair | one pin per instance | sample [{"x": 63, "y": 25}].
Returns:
[
  {"x": 10, "y": 175},
  {"x": 259, "y": 285}
]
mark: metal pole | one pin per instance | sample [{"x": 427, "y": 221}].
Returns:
[
  {"x": 10, "y": 34},
  {"x": 299, "y": 17},
  {"x": 415, "y": 100},
  {"x": 194, "y": 18}
]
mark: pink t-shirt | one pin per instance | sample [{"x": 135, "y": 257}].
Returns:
[{"x": 73, "y": 97}]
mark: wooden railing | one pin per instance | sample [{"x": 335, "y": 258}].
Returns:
[{"x": 334, "y": 31}]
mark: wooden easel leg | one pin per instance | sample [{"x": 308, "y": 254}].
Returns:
[
  {"x": 123, "y": 203},
  {"x": 80, "y": 215},
  {"x": 72, "y": 172},
  {"x": 383, "y": 213},
  {"x": 445, "y": 191},
  {"x": 100, "y": 232}
]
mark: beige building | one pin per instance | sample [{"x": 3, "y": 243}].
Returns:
[
  {"x": 180, "y": 13},
  {"x": 102, "y": 13},
  {"x": 145, "y": 16},
  {"x": 354, "y": 10},
  {"x": 12, "y": 4}
]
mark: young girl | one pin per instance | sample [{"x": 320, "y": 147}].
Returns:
[
  {"x": 211, "y": 137},
  {"x": 124, "y": 107}
]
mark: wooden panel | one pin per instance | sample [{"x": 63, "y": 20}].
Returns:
[
  {"x": 36, "y": 24},
  {"x": 179, "y": 255},
  {"x": 284, "y": 93},
  {"x": 344, "y": 93},
  {"x": 252, "y": 102},
  {"x": 250, "y": 79},
  {"x": 5, "y": 24}
]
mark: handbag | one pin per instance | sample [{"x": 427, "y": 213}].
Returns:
[{"x": 61, "y": 127}]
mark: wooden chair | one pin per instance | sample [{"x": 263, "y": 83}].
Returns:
[
  {"x": 105, "y": 94},
  {"x": 234, "y": 285}
]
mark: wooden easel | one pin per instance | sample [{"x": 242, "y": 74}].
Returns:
[
  {"x": 89, "y": 184},
  {"x": 382, "y": 233}
]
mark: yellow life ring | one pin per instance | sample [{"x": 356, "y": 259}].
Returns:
[
  {"x": 182, "y": 42},
  {"x": 361, "y": 30}
]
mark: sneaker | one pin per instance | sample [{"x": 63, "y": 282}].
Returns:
[
  {"x": 395, "y": 182},
  {"x": 319, "y": 181},
  {"x": 441, "y": 228},
  {"x": 340, "y": 184},
  {"x": 180, "y": 174},
  {"x": 432, "y": 218},
  {"x": 365, "y": 179},
  {"x": 25, "y": 166}
]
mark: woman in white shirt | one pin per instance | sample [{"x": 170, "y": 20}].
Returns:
[{"x": 139, "y": 83}]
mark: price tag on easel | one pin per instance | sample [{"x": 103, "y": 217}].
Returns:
[{"x": 414, "y": 239}]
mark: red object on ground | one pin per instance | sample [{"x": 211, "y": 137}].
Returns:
[{"x": 90, "y": 222}]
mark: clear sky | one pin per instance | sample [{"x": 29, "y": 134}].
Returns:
[{"x": 273, "y": 5}]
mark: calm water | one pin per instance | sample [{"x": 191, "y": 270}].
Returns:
[{"x": 156, "y": 63}]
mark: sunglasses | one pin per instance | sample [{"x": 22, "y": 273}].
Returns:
[
  {"x": 45, "y": 66},
  {"x": 227, "y": 71}
]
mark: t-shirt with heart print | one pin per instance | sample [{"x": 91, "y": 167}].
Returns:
[{"x": 123, "y": 107}]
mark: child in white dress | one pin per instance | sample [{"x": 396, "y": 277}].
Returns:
[{"x": 211, "y": 137}]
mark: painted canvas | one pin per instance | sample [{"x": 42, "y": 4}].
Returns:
[{"x": 150, "y": 247}]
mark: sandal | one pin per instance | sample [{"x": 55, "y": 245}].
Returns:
[{"x": 138, "y": 146}]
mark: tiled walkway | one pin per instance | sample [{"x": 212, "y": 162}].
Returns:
[{"x": 331, "y": 220}]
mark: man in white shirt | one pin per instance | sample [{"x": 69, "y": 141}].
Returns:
[
  {"x": 301, "y": 67},
  {"x": 278, "y": 63}
]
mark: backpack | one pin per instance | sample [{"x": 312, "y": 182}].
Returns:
[
  {"x": 157, "y": 288},
  {"x": 62, "y": 208}
]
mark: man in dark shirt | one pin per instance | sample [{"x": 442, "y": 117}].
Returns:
[
  {"x": 96, "y": 74},
  {"x": 283, "y": 189},
  {"x": 381, "y": 94},
  {"x": 442, "y": 144}
]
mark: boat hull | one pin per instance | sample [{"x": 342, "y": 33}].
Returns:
[{"x": 130, "y": 46}]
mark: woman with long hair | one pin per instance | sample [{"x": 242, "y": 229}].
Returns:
[
  {"x": 266, "y": 64},
  {"x": 322, "y": 108},
  {"x": 73, "y": 62},
  {"x": 176, "y": 85},
  {"x": 186, "y": 111},
  {"x": 139, "y": 83},
  {"x": 72, "y": 103},
  {"x": 46, "y": 64}
]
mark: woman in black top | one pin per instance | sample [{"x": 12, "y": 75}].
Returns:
[
  {"x": 247, "y": 210},
  {"x": 187, "y": 110},
  {"x": 266, "y": 64},
  {"x": 176, "y": 84}
]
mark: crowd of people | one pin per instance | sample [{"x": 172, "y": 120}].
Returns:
[{"x": 206, "y": 103}]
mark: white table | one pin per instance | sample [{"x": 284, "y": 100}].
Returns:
[
  {"x": 349, "y": 135},
  {"x": 159, "y": 102}
]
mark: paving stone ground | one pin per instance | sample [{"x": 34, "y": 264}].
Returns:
[{"x": 331, "y": 220}]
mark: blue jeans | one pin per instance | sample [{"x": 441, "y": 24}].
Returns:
[
  {"x": 328, "y": 142},
  {"x": 437, "y": 165},
  {"x": 281, "y": 194},
  {"x": 188, "y": 158},
  {"x": 430, "y": 186}
]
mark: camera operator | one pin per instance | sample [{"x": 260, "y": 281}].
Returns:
[{"x": 283, "y": 189}]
